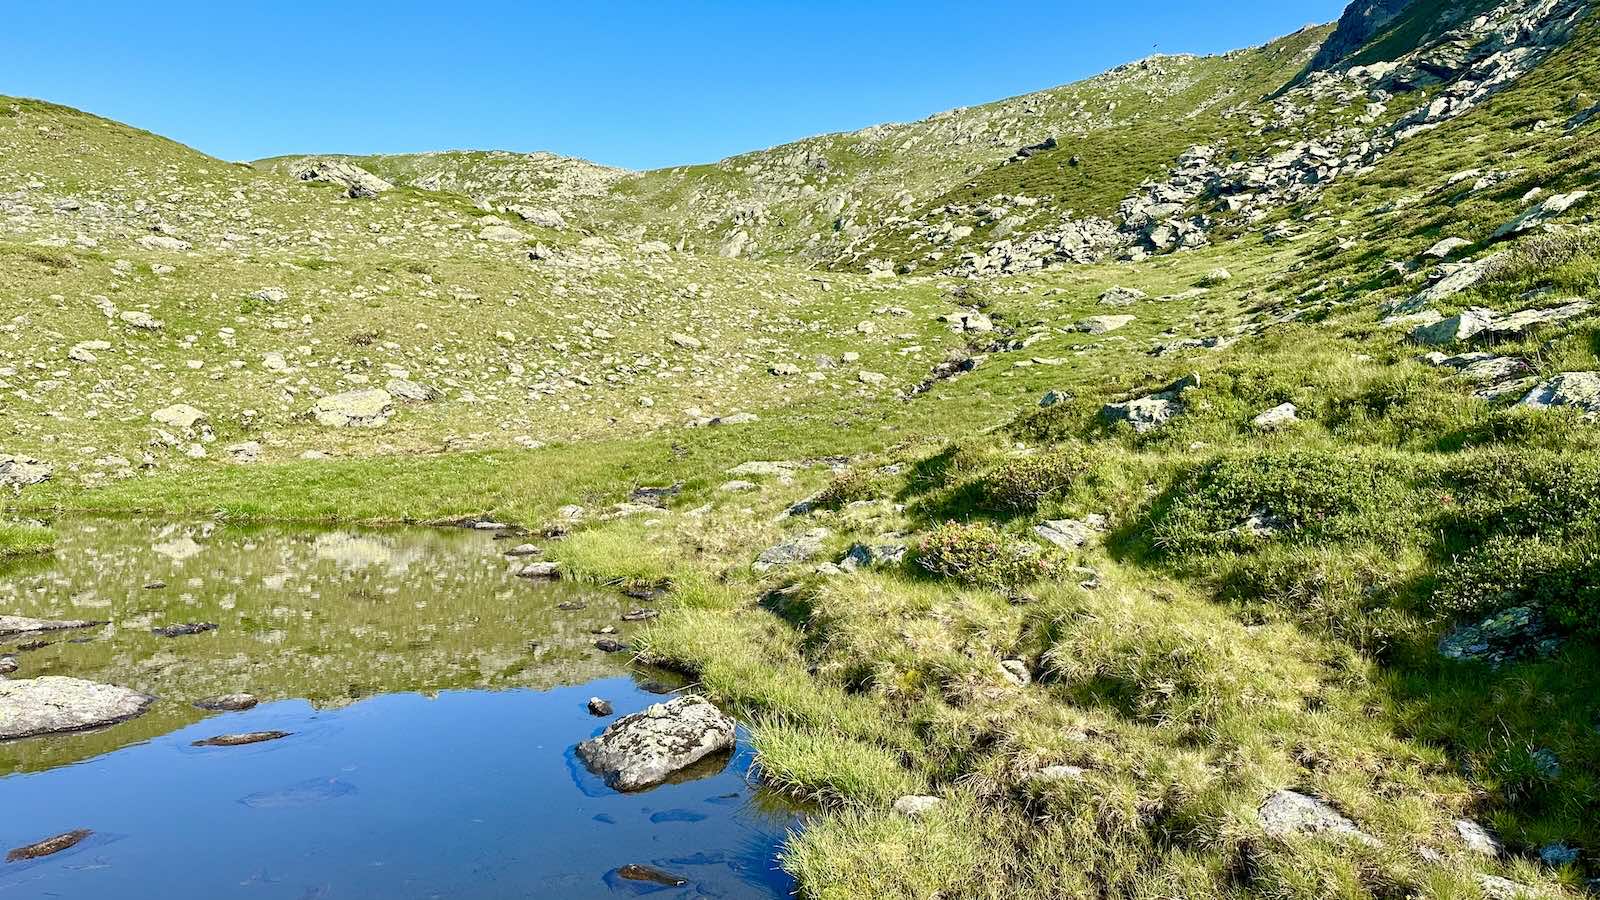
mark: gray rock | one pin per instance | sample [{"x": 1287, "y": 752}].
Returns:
[
  {"x": 1070, "y": 534},
  {"x": 1102, "y": 324},
  {"x": 915, "y": 806},
  {"x": 795, "y": 550},
  {"x": 242, "y": 739},
  {"x": 1459, "y": 327},
  {"x": 411, "y": 391},
  {"x": 143, "y": 321},
  {"x": 53, "y": 704},
  {"x": 1282, "y": 416},
  {"x": 1478, "y": 839},
  {"x": 1519, "y": 324},
  {"x": 11, "y": 626},
  {"x": 359, "y": 184},
  {"x": 1444, "y": 248},
  {"x": 600, "y": 707},
  {"x": 1552, "y": 206},
  {"x": 646, "y": 748},
  {"x": 1497, "y": 888},
  {"x": 179, "y": 416},
  {"x": 369, "y": 408},
  {"x": 865, "y": 556},
  {"x": 1575, "y": 389},
  {"x": 1149, "y": 413},
  {"x": 22, "y": 471},
  {"x": 1288, "y": 813},
  {"x": 1558, "y": 854},
  {"x": 1121, "y": 296},
  {"x": 227, "y": 703},
  {"x": 501, "y": 234},
  {"x": 1457, "y": 277},
  {"x": 244, "y": 452}
]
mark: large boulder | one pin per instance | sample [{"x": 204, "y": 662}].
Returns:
[
  {"x": 1552, "y": 206},
  {"x": 54, "y": 704},
  {"x": 1460, "y": 327},
  {"x": 358, "y": 182},
  {"x": 21, "y": 471},
  {"x": 354, "y": 409},
  {"x": 1151, "y": 412},
  {"x": 179, "y": 416},
  {"x": 646, "y": 748},
  {"x": 1575, "y": 389}
]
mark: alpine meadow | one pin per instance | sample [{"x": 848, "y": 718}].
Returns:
[{"x": 1183, "y": 483}]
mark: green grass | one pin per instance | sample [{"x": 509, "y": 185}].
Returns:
[{"x": 24, "y": 539}]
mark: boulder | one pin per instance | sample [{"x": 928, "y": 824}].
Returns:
[
  {"x": 1148, "y": 413},
  {"x": 1102, "y": 324},
  {"x": 54, "y": 704},
  {"x": 1456, "y": 328},
  {"x": 1121, "y": 296},
  {"x": 359, "y": 184},
  {"x": 1519, "y": 324},
  {"x": 646, "y": 748},
  {"x": 143, "y": 321},
  {"x": 179, "y": 416},
  {"x": 1580, "y": 390},
  {"x": 1444, "y": 248},
  {"x": 227, "y": 703},
  {"x": 1549, "y": 208},
  {"x": 1278, "y": 417},
  {"x": 1287, "y": 814},
  {"x": 1070, "y": 534},
  {"x": 11, "y": 626},
  {"x": 1478, "y": 839},
  {"x": 797, "y": 549},
  {"x": 22, "y": 471},
  {"x": 163, "y": 242},
  {"x": 410, "y": 391},
  {"x": 240, "y": 740},
  {"x": 369, "y": 408}
]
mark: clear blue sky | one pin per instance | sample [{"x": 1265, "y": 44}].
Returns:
[{"x": 636, "y": 84}]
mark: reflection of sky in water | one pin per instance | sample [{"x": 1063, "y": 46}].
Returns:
[{"x": 466, "y": 795}]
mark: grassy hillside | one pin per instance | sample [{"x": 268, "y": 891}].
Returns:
[{"x": 1105, "y": 651}]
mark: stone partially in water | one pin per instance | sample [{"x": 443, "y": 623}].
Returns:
[
  {"x": 646, "y": 748},
  {"x": 599, "y": 707},
  {"x": 54, "y": 704},
  {"x": 183, "y": 630},
  {"x": 240, "y": 740},
  {"x": 650, "y": 875},
  {"x": 227, "y": 703},
  {"x": 49, "y": 846},
  {"x": 11, "y": 626},
  {"x": 608, "y": 645}
]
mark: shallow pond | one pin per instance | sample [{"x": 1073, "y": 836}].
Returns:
[{"x": 432, "y": 702}]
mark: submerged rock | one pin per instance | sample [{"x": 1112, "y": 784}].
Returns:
[
  {"x": 646, "y": 748},
  {"x": 240, "y": 740},
  {"x": 650, "y": 875},
  {"x": 49, "y": 846},
  {"x": 53, "y": 704}
]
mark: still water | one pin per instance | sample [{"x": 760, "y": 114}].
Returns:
[{"x": 432, "y": 701}]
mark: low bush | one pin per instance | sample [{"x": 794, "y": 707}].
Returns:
[
  {"x": 979, "y": 554},
  {"x": 1020, "y": 485}
]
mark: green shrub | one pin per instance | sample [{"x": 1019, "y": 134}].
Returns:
[
  {"x": 846, "y": 488},
  {"x": 1510, "y": 571},
  {"x": 1525, "y": 493},
  {"x": 1306, "y": 494},
  {"x": 1020, "y": 485},
  {"x": 980, "y": 554}
]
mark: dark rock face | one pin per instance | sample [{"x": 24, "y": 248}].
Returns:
[{"x": 1362, "y": 21}]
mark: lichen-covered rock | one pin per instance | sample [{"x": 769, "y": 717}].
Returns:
[
  {"x": 54, "y": 704},
  {"x": 354, "y": 409},
  {"x": 1149, "y": 413},
  {"x": 797, "y": 549},
  {"x": 359, "y": 184},
  {"x": 1508, "y": 635},
  {"x": 646, "y": 748},
  {"x": 22, "y": 471},
  {"x": 1289, "y": 813},
  {"x": 1575, "y": 389}
]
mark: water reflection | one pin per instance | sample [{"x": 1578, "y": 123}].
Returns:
[{"x": 326, "y": 615}]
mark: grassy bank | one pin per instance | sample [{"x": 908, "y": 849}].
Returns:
[{"x": 23, "y": 539}]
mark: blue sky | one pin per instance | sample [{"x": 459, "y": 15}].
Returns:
[{"x": 631, "y": 84}]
